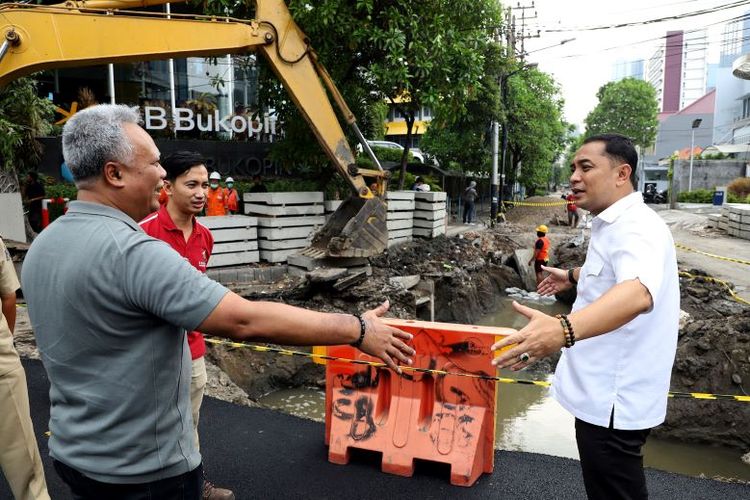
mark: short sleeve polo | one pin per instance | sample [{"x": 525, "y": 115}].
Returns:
[{"x": 109, "y": 306}]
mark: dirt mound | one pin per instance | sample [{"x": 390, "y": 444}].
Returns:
[
  {"x": 555, "y": 215},
  {"x": 713, "y": 356}
]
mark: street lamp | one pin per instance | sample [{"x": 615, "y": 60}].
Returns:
[{"x": 696, "y": 124}]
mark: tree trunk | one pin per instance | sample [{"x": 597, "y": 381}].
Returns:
[{"x": 409, "y": 118}]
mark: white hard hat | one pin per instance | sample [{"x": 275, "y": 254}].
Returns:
[
  {"x": 215, "y": 175},
  {"x": 229, "y": 179}
]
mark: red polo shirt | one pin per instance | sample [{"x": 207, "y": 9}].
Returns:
[{"x": 196, "y": 250}]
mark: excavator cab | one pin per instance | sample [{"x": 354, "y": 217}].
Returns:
[{"x": 81, "y": 33}]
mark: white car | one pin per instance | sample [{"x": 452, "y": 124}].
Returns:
[{"x": 416, "y": 153}]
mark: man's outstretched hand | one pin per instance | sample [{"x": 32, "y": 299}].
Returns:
[
  {"x": 555, "y": 282},
  {"x": 385, "y": 342}
]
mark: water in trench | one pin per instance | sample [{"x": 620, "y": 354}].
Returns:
[{"x": 529, "y": 420}]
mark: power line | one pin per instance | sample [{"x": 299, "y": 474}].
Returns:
[{"x": 653, "y": 21}]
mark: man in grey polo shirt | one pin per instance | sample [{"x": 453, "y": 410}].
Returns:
[{"x": 110, "y": 306}]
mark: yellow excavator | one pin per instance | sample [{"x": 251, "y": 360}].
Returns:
[{"x": 82, "y": 33}]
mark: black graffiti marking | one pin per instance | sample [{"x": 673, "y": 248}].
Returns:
[
  {"x": 363, "y": 426},
  {"x": 338, "y": 411}
]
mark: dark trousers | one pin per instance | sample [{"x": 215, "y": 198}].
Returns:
[
  {"x": 611, "y": 461},
  {"x": 468, "y": 211},
  {"x": 186, "y": 486}
]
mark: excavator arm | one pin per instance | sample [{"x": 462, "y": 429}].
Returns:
[{"x": 103, "y": 32}]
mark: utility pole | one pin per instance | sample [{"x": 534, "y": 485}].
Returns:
[{"x": 511, "y": 36}]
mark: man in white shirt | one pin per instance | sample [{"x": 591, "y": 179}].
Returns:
[{"x": 621, "y": 336}]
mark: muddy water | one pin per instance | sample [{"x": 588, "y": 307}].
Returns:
[{"x": 529, "y": 420}]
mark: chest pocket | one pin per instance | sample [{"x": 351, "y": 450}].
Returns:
[{"x": 597, "y": 276}]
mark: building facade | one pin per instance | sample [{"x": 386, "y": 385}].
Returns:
[
  {"x": 732, "y": 113},
  {"x": 678, "y": 69}
]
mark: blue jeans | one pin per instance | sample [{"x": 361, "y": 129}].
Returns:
[
  {"x": 186, "y": 486},
  {"x": 468, "y": 211}
]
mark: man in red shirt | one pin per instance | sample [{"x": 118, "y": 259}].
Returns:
[
  {"x": 186, "y": 186},
  {"x": 572, "y": 211}
]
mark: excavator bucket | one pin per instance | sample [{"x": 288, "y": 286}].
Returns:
[{"x": 356, "y": 229}]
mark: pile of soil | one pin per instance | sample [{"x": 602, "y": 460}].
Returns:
[
  {"x": 713, "y": 356},
  {"x": 532, "y": 216}
]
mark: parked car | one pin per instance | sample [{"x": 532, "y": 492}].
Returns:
[{"x": 415, "y": 152}]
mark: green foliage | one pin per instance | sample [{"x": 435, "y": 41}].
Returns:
[
  {"x": 413, "y": 54},
  {"x": 696, "y": 196},
  {"x": 382, "y": 154},
  {"x": 61, "y": 190},
  {"x": 627, "y": 107},
  {"x": 23, "y": 117},
  {"x": 537, "y": 133},
  {"x": 714, "y": 156},
  {"x": 410, "y": 178},
  {"x": 461, "y": 139},
  {"x": 707, "y": 196}
]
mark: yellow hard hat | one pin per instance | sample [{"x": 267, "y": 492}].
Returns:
[{"x": 541, "y": 228}]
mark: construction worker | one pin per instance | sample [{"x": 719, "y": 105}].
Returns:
[
  {"x": 541, "y": 252},
  {"x": 216, "y": 201},
  {"x": 232, "y": 196}
]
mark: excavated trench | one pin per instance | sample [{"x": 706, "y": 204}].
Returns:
[{"x": 470, "y": 275}]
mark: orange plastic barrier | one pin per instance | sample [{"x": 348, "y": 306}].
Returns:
[{"x": 427, "y": 416}]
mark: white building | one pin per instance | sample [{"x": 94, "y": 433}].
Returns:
[{"x": 678, "y": 69}]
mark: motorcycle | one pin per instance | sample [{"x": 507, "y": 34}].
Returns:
[{"x": 651, "y": 195}]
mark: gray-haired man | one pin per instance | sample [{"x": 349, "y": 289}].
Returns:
[{"x": 110, "y": 306}]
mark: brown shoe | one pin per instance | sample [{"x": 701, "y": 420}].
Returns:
[{"x": 211, "y": 492}]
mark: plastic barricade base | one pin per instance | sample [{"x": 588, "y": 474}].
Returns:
[{"x": 418, "y": 416}]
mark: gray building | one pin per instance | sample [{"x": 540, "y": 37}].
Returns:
[{"x": 676, "y": 133}]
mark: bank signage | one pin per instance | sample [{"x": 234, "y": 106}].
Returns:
[{"x": 186, "y": 119}]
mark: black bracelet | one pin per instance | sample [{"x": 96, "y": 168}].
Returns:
[
  {"x": 572, "y": 278},
  {"x": 362, "y": 329},
  {"x": 570, "y": 333}
]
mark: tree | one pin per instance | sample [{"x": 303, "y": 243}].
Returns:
[
  {"x": 411, "y": 54},
  {"x": 23, "y": 117},
  {"x": 537, "y": 133},
  {"x": 628, "y": 107},
  {"x": 462, "y": 139}
]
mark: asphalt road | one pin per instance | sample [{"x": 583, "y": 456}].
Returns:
[{"x": 267, "y": 455}]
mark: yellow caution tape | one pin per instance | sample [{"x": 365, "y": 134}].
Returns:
[
  {"x": 720, "y": 257},
  {"x": 503, "y": 380},
  {"x": 726, "y": 285},
  {"x": 538, "y": 204}
]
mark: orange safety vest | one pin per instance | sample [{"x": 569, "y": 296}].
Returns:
[
  {"x": 231, "y": 195},
  {"x": 542, "y": 253},
  {"x": 216, "y": 202}
]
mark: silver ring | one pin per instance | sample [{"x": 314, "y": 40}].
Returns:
[{"x": 524, "y": 357}]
